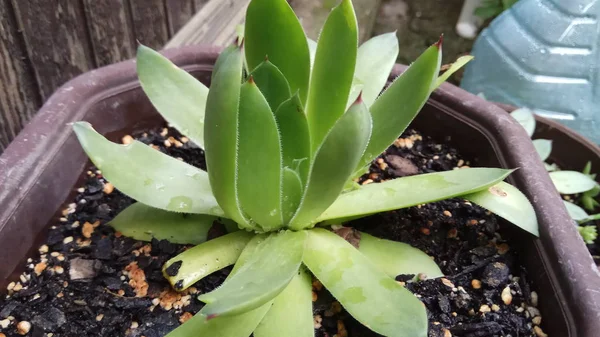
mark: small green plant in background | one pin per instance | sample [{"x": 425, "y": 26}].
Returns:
[
  {"x": 567, "y": 182},
  {"x": 287, "y": 126},
  {"x": 492, "y": 8}
]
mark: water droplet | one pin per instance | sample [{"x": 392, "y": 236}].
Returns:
[{"x": 180, "y": 204}]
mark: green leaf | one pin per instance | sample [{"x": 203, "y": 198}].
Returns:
[
  {"x": 204, "y": 259},
  {"x": 592, "y": 217},
  {"x": 295, "y": 138},
  {"x": 272, "y": 84},
  {"x": 374, "y": 62},
  {"x": 543, "y": 148},
  {"x": 263, "y": 275},
  {"x": 587, "y": 199},
  {"x": 145, "y": 223},
  {"x": 575, "y": 212},
  {"x": 333, "y": 164},
  {"x": 456, "y": 66},
  {"x": 589, "y": 234},
  {"x": 149, "y": 176},
  {"x": 411, "y": 191},
  {"x": 587, "y": 170},
  {"x": 400, "y": 103},
  {"x": 397, "y": 258},
  {"x": 273, "y": 30},
  {"x": 509, "y": 203},
  {"x": 259, "y": 160},
  {"x": 525, "y": 117},
  {"x": 332, "y": 72},
  {"x": 221, "y": 131},
  {"x": 571, "y": 182},
  {"x": 367, "y": 293},
  {"x": 487, "y": 12},
  {"x": 178, "y": 96},
  {"x": 292, "y": 194},
  {"x": 295, "y": 300}
]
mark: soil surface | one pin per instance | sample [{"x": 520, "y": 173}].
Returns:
[{"x": 88, "y": 280}]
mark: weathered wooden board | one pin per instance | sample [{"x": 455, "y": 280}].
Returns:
[
  {"x": 198, "y": 4},
  {"x": 150, "y": 22},
  {"x": 179, "y": 12},
  {"x": 19, "y": 96},
  {"x": 110, "y": 30}
]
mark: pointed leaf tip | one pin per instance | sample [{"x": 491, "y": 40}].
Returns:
[
  {"x": 251, "y": 80},
  {"x": 266, "y": 58},
  {"x": 440, "y": 42},
  {"x": 359, "y": 99}
]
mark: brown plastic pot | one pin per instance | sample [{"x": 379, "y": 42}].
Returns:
[{"x": 41, "y": 168}]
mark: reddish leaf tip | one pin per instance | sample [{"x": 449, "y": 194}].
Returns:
[
  {"x": 211, "y": 316},
  {"x": 359, "y": 99},
  {"x": 251, "y": 79},
  {"x": 440, "y": 42}
]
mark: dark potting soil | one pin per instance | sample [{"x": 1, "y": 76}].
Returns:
[{"x": 88, "y": 280}]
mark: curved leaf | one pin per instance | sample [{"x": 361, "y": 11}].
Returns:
[
  {"x": 272, "y": 84},
  {"x": 177, "y": 95},
  {"x": 295, "y": 300},
  {"x": 194, "y": 264},
  {"x": 259, "y": 160},
  {"x": 509, "y": 203},
  {"x": 397, "y": 258},
  {"x": 332, "y": 72},
  {"x": 577, "y": 213},
  {"x": 525, "y": 117},
  {"x": 262, "y": 276},
  {"x": 374, "y": 62},
  {"x": 543, "y": 148},
  {"x": 221, "y": 131},
  {"x": 400, "y": 103},
  {"x": 411, "y": 191},
  {"x": 459, "y": 63},
  {"x": 292, "y": 193},
  {"x": 367, "y": 293},
  {"x": 295, "y": 139},
  {"x": 145, "y": 223},
  {"x": 333, "y": 164},
  {"x": 571, "y": 182},
  {"x": 149, "y": 176},
  {"x": 273, "y": 30}
]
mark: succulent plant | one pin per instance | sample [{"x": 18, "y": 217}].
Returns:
[{"x": 286, "y": 127}]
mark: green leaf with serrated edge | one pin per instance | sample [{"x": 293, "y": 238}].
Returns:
[
  {"x": 272, "y": 84},
  {"x": 204, "y": 259},
  {"x": 145, "y": 223},
  {"x": 374, "y": 62},
  {"x": 367, "y": 293},
  {"x": 526, "y": 118},
  {"x": 575, "y": 212},
  {"x": 295, "y": 300},
  {"x": 333, "y": 164},
  {"x": 273, "y": 30},
  {"x": 221, "y": 131},
  {"x": 292, "y": 193},
  {"x": 400, "y": 103},
  {"x": 177, "y": 95},
  {"x": 259, "y": 160},
  {"x": 295, "y": 138},
  {"x": 264, "y": 275},
  {"x": 397, "y": 258},
  {"x": 149, "y": 176},
  {"x": 312, "y": 47},
  {"x": 456, "y": 66},
  {"x": 543, "y": 148},
  {"x": 333, "y": 71},
  {"x": 424, "y": 188},
  {"x": 571, "y": 182},
  {"x": 509, "y": 203}
]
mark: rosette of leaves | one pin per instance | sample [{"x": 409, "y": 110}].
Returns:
[{"x": 286, "y": 126}]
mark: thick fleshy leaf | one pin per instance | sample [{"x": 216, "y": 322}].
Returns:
[
  {"x": 332, "y": 72},
  {"x": 367, "y": 293},
  {"x": 272, "y": 265},
  {"x": 509, "y": 203},
  {"x": 374, "y": 62},
  {"x": 588, "y": 198},
  {"x": 295, "y": 139},
  {"x": 273, "y": 31},
  {"x": 397, "y": 258},
  {"x": 259, "y": 160},
  {"x": 571, "y": 182},
  {"x": 221, "y": 131},
  {"x": 411, "y": 191},
  {"x": 587, "y": 169},
  {"x": 194, "y": 264},
  {"x": 149, "y": 176},
  {"x": 292, "y": 194},
  {"x": 177, "y": 95},
  {"x": 292, "y": 313},
  {"x": 333, "y": 164},
  {"x": 460, "y": 62},
  {"x": 400, "y": 103},
  {"x": 543, "y": 148},
  {"x": 525, "y": 117},
  {"x": 272, "y": 83},
  {"x": 576, "y": 212},
  {"x": 145, "y": 223}
]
